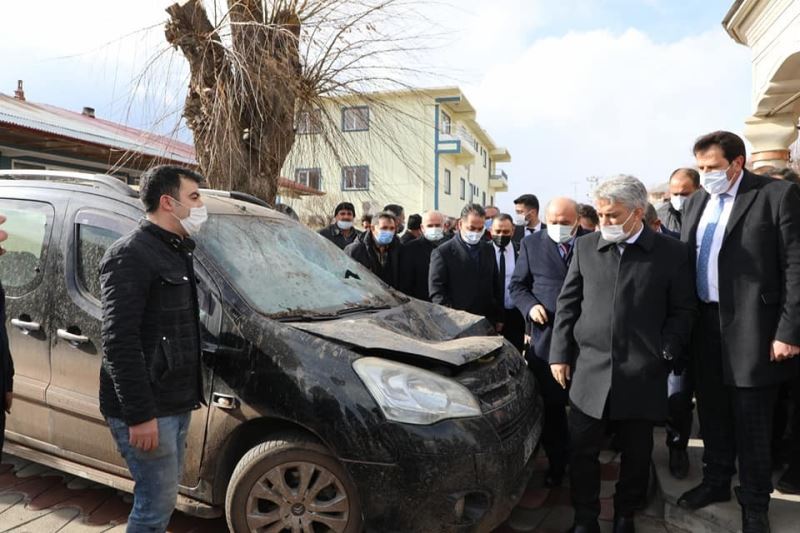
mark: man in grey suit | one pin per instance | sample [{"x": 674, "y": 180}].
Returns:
[
  {"x": 743, "y": 231},
  {"x": 623, "y": 317}
]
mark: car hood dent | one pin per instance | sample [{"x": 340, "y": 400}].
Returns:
[{"x": 416, "y": 328}]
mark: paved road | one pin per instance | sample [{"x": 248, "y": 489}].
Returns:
[{"x": 37, "y": 499}]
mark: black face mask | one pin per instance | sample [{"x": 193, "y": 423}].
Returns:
[{"x": 501, "y": 240}]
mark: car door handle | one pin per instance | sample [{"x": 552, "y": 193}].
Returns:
[
  {"x": 224, "y": 401},
  {"x": 26, "y": 327},
  {"x": 71, "y": 337}
]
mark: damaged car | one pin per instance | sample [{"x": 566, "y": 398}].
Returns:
[{"x": 332, "y": 402}]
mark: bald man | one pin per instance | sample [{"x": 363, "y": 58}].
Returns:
[
  {"x": 538, "y": 276},
  {"x": 415, "y": 260}
]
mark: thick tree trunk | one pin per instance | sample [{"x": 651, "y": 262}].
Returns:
[{"x": 241, "y": 100}]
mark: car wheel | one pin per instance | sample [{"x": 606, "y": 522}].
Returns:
[{"x": 291, "y": 485}]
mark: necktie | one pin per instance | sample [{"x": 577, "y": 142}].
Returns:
[
  {"x": 704, "y": 256},
  {"x": 564, "y": 251},
  {"x": 503, "y": 264}
]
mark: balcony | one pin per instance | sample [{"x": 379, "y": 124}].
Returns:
[
  {"x": 460, "y": 144},
  {"x": 498, "y": 181}
]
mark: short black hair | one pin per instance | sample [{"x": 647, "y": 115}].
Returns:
[
  {"x": 732, "y": 145},
  {"x": 344, "y": 206},
  {"x": 366, "y": 218},
  {"x": 528, "y": 200},
  {"x": 692, "y": 173},
  {"x": 387, "y": 215},
  {"x": 394, "y": 208},
  {"x": 504, "y": 216},
  {"x": 414, "y": 222},
  {"x": 473, "y": 208},
  {"x": 163, "y": 179},
  {"x": 786, "y": 174},
  {"x": 587, "y": 211}
]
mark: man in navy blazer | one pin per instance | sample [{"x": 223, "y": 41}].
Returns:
[{"x": 538, "y": 276}]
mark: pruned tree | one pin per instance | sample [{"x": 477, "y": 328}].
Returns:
[{"x": 261, "y": 62}]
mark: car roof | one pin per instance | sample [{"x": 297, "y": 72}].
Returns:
[{"x": 217, "y": 202}]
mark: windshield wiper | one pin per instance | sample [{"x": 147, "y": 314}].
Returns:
[{"x": 361, "y": 309}]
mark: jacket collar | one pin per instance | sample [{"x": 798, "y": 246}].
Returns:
[
  {"x": 173, "y": 239},
  {"x": 645, "y": 240}
]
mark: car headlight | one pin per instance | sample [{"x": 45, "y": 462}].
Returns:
[{"x": 412, "y": 395}]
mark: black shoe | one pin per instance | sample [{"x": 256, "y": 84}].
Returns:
[
  {"x": 554, "y": 477},
  {"x": 754, "y": 521},
  {"x": 789, "y": 482},
  {"x": 585, "y": 528},
  {"x": 678, "y": 463},
  {"x": 702, "y": 495},
  {"x": 623, "y": 524}
]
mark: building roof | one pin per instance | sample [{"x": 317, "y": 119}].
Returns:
[{"x": 65, "y": 124}]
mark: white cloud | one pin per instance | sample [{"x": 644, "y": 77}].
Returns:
[{"x": 598, "y": 104}]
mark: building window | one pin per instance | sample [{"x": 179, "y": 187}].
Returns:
[
  {"x": 485, "y": 154},
  {"x": 463, "y": 192},
  {"x": 309, "y": 122},
  {"x": 476, "y": 146},
  {"x": 310, "y": 177},
  {"x": 491, "y": 200},
  {"x": 445, "y": 124},
  {"x": 355, "y": 118},
  {"x": 355, "y": 178},
  {"x": 484, "y": 198},
  {"x": 446, "y": 181}
]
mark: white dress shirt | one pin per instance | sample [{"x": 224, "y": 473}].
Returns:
[
  {"x": 531, "y": 231},
  {"x": 509, "y": 259},
  {"x": 719, "y": 234},
  {"x": 630, "y": 240}
]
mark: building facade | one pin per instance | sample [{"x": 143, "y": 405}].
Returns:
[
  {"x": 422, "y": 149},
  {"x": 771, "y": 29}
]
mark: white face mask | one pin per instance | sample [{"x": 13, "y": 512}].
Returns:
[
  {"x": 519, "y": 219},
  {"x": 615, "y": 232},
  {"x": 473, "y": 237},
  {"x": 677, "y": 202},
  {"x": 434, "y": 234},
  {"x": 197, "y": 217},
  {"x": 344, "y": 224},
  {"x": 560, "y": 233},
  {"x": 715, "y": 181}
]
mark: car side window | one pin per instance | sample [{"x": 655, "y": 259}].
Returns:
[
  {"x": 28, "y": 224},
  {"x": 92, "y": 243},
  {"x": 210, "y": 306}
]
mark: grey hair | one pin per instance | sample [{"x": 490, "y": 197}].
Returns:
[{"x": 623, "y": 189}]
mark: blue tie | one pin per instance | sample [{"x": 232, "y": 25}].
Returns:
[{"x": 705, "y": 250}]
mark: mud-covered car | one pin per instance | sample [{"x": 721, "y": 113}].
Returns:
[{"x": 332, "y": 403}]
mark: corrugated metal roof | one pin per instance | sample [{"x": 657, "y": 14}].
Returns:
[{"x": 65, "y": 123}]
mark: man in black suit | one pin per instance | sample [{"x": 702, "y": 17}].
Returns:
[
  {"x": 744, "y": 234},
  {"x": 526, "y": 217},
  {"x": 506, "y": 254},
  {"x": 415, "y": 260},
  {"x": 413, "y": 230},
  {"x": 624, "y": 314},
  {"x": 463, "y": 273},
  {"x": 539, "y": 274}
]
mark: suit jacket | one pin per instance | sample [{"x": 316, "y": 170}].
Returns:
[
  {"x": 759, "y": 278},
  {"x": 614, "y": 316},
  {"x": 519, "y": 233},
  {"x": 537, "y": 280},
  {"x": 456, "y": 280},
  {"x": 415, "y": 262},
  {"x": 670, "y": 218},
  {"x": 6, "y": 362},
  {"x": 363, "y": 250}
]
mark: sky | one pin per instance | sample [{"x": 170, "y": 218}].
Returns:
[{"x": 573, "y": 88}]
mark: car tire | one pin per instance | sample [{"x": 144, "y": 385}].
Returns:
[{"x": 293, "y": 481}]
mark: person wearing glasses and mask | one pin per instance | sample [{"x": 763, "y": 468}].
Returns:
[
  {"x": 464, "y": 273},
  {"x": 506, "y": 251},
  {"x": 624, "y": 315},
  {"x": 379, "y": 249}
]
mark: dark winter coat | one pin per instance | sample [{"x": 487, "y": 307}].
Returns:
[
  {"x": 365, "y": 252},
  {"x": 335, "y": 235}
]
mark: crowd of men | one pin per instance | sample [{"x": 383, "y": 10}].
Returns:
[{"x": 626, "y": 314}]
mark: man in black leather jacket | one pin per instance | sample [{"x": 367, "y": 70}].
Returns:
[{"x": 150, "y": 380}]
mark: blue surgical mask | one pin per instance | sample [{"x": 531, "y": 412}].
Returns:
[{"x": 385, "y": 237}]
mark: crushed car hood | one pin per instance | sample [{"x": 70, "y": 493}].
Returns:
[{"x": 416, "y": 328}]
